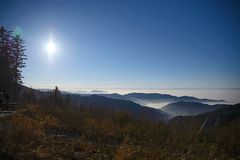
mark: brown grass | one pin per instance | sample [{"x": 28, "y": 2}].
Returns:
[{"x": 40, "y": 132}]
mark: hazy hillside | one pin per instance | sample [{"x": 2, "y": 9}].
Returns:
[
  {"x": 215, "y": 118},
  {"x": 157, "y": 100},
  {"x": 113, "y": 104},
  {"x": 166, "y": 98},
  {"x": 114, "y": 96},
  {"x": 123, "y": 105},
  {"x": 189, "y": 108}
]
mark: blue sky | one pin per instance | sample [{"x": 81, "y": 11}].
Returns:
[{"x": 130, "y": 43}]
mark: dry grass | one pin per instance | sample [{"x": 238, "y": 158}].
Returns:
[{"x": 39, "y": 132}]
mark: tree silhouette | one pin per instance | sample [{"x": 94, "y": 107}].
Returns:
[
  {"x": 56, "y": 93},
  {"x": 5, "y": 59},
  {"x": 12, "y": 59},
  {"x": 18, "y": 61}
]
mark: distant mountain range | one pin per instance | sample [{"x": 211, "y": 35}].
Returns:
[
  {"x": 190, "y": 108},
  {"x": 135, "y": 103},
  {"x": 146, "y": 98},
  {"x": 184, "y": 105},
  {"x": 166, "y": 98},
  {"x": 113, "y": 104},
  {"x": 173, "y": 105},
  {"x": 125, "y": 104},
  {"x": 221, "y": 116}
]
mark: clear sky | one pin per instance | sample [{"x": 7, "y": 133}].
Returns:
[{"x": 128, "y": 43}]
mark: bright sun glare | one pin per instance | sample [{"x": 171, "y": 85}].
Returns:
[{"x": 51, "y": 47}]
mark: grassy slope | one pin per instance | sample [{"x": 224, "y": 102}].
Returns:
[{"x": 52, "y": 132}]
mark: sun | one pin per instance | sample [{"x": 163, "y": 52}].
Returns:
[{"x": 51, "y": 47}]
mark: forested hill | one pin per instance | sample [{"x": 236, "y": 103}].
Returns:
[{"x": 216, "y": 118}]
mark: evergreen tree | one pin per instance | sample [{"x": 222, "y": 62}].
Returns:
[
  {"x": 56, "y": 93},
  {"x": 12, "y": 59},
  {"x": 5, "y": 59},
  {"x": 18, "y": 61}
]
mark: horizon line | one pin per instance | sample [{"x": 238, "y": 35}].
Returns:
[{"x": 138, "y": 88}]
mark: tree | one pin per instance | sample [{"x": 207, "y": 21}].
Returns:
[
  {"x": 56, "y": 93},
  {"x": 12, "y": 59},
  {"x": 18, "y": 61},
  {"x": 55, "y": 96},
  {"x": 5, "y": 59}
]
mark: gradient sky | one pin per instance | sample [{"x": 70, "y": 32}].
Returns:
[{"x": 129, "y": 43}]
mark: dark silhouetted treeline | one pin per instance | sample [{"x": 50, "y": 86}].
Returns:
[{"x": 12, "y": 59}]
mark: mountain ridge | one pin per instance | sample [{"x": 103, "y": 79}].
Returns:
[
  {"x": 221, "y": 116},
  {"x": 183, "y": 108}
]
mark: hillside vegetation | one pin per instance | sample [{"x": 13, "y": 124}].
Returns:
[{"x": 52, "y": 129}]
